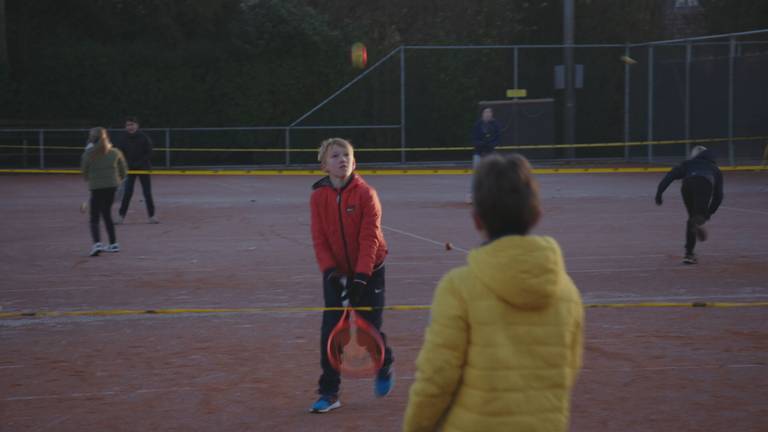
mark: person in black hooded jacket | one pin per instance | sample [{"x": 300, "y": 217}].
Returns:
[
  {"x": 702, "y": 193},
  {"x": 137, "y": 148}
]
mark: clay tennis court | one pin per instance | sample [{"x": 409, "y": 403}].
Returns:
[{"x": 243, "y": 242}]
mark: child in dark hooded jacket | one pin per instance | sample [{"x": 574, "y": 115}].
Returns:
[{"x": 702, "y": 191}]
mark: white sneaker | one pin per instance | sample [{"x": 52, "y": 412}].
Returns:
[
  {"x": 96, "y": 249},
  {"x": 153, "y": 220},
  {"x": 119, "y": 220},
  {"x": 114, "y": 247}
]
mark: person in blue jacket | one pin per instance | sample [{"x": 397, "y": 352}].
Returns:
[
  {"x": 702, "y": 193},
  {"x": 485, "y": 135}
]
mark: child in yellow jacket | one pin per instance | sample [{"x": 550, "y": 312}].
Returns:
[{"x": 504, "y": 343}]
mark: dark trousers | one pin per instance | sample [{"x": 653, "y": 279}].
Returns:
[
  {"x": 697, "y": 194},
  {"x": 101, "y": 207},
  {"x": 330, "y": 380},
  {"x": 146, "y": 188}
]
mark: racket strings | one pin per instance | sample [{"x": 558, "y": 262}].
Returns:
[{"x": 355, "y": 350}]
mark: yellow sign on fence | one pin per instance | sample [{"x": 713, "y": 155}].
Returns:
[{"x": 517, "y": 93}]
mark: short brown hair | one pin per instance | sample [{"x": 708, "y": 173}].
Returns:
[
  {"x": 505, "y": 195},
  {"x": 333, "y": 142}
]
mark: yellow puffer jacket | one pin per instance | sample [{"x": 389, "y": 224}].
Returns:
[{"x": 504, "y": 343}]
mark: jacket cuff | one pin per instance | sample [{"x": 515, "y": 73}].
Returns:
[
  {"x": 362, "y": 278},
  {"x": 328, "y": 273}
]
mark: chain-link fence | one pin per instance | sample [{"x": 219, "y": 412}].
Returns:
[{"x": 634, "y": 103}]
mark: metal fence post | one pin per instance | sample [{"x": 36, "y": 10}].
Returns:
[
  {"x": 24, "y": 153},
  {"x": 649, "y": 136},
  {"x": 167, "y": 148},
  {"x": 402, "y": 105},
  {"x": 288, "y": 145},
  {"x": 731, "y": 61},
  {"x": 516, "y": 83},
  {"x": 626, "y": 102},
  {"x": 41, "y": 143},
  {"x": 569, "y": 115},
  {"x": 516, "y": 55},
  {"x": 687, "y": 115}
]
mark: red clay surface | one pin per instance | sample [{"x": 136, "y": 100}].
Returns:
[{"x": 244, "y": 241}]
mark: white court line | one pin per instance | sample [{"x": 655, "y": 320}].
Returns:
[
  {"x": 233, "y": 187},
  {"x": 118, "y": 393},
  {"x": 50, "y": 289},
  {"x": 746, "y": 210},
  {"x": 101, "y": 393},
  {"x": 12, "y": 367},
  {"x": 680, "y": 367},
  {"x": 614, "y": 257},
  {"x": 633, "y": 269},
  {"x": 406, "y": 233},
  {"x": 659, "y": 368},
  {"x": 597, "y": 257},
  {"x": 591, "y": 300},
  {"x": 652, "y": 368}
]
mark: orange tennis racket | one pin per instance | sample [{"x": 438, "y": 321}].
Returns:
[{"x": 355, "y": 347}]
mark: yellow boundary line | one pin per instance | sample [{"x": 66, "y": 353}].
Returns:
[
  {"x": 427, "y": 149},
  {"x": 407, "y": 171},
  {"x": 254, "y": 310}
]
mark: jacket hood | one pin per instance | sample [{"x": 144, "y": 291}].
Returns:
[
  {"x": 354, "y": 179},
  {"x": 524, "y": 271},
  {"x": 707, "y": 155}
]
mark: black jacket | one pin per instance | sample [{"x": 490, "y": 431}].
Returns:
[
  {"x": 485, "y": 136},
  {"x": 137, "y": 149},
  {"x": 703, "y": 165}
]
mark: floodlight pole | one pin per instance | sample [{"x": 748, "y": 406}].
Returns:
[{"x": 569, "y": 113}]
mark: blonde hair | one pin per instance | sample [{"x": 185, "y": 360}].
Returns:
[
  {"x": 101, "y": 143},
  {"x": 326, "y": 145},
  {"x": 697, "y": 150}
]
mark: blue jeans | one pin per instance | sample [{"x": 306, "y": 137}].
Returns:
[{"x": 330, "y": 380}]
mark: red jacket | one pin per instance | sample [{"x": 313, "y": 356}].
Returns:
[{"x": 346, "y": 227}]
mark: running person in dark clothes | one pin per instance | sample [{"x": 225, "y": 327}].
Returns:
[
  {"x": 702, "y": 193},
  {"x": 137, "y": 148},
  {"x": 103, "y": 167}
]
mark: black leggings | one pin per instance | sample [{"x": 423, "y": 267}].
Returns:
[
  {"x": 697, "y": 194},
  {"x": 101, "y": 206},
  {"x": 146, "y": 188}
]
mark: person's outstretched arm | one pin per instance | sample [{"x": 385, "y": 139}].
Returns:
[
  {"x": 675, "y": 173},
  {"x": 441, "y": 360}
]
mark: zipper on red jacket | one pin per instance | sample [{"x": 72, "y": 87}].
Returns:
[{"x": 343, "y": 236}]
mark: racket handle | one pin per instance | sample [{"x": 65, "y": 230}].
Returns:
[{"x": 344, "y": 291}]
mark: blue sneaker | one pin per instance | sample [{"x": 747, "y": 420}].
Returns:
[
  {"x": 325, "y": 403},
  {"x": 384, "y": 383}
]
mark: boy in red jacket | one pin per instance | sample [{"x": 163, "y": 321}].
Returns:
[{"x": 349, "y": 243}]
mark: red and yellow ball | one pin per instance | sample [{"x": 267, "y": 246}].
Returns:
[{"x": 359, "y": 55}]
